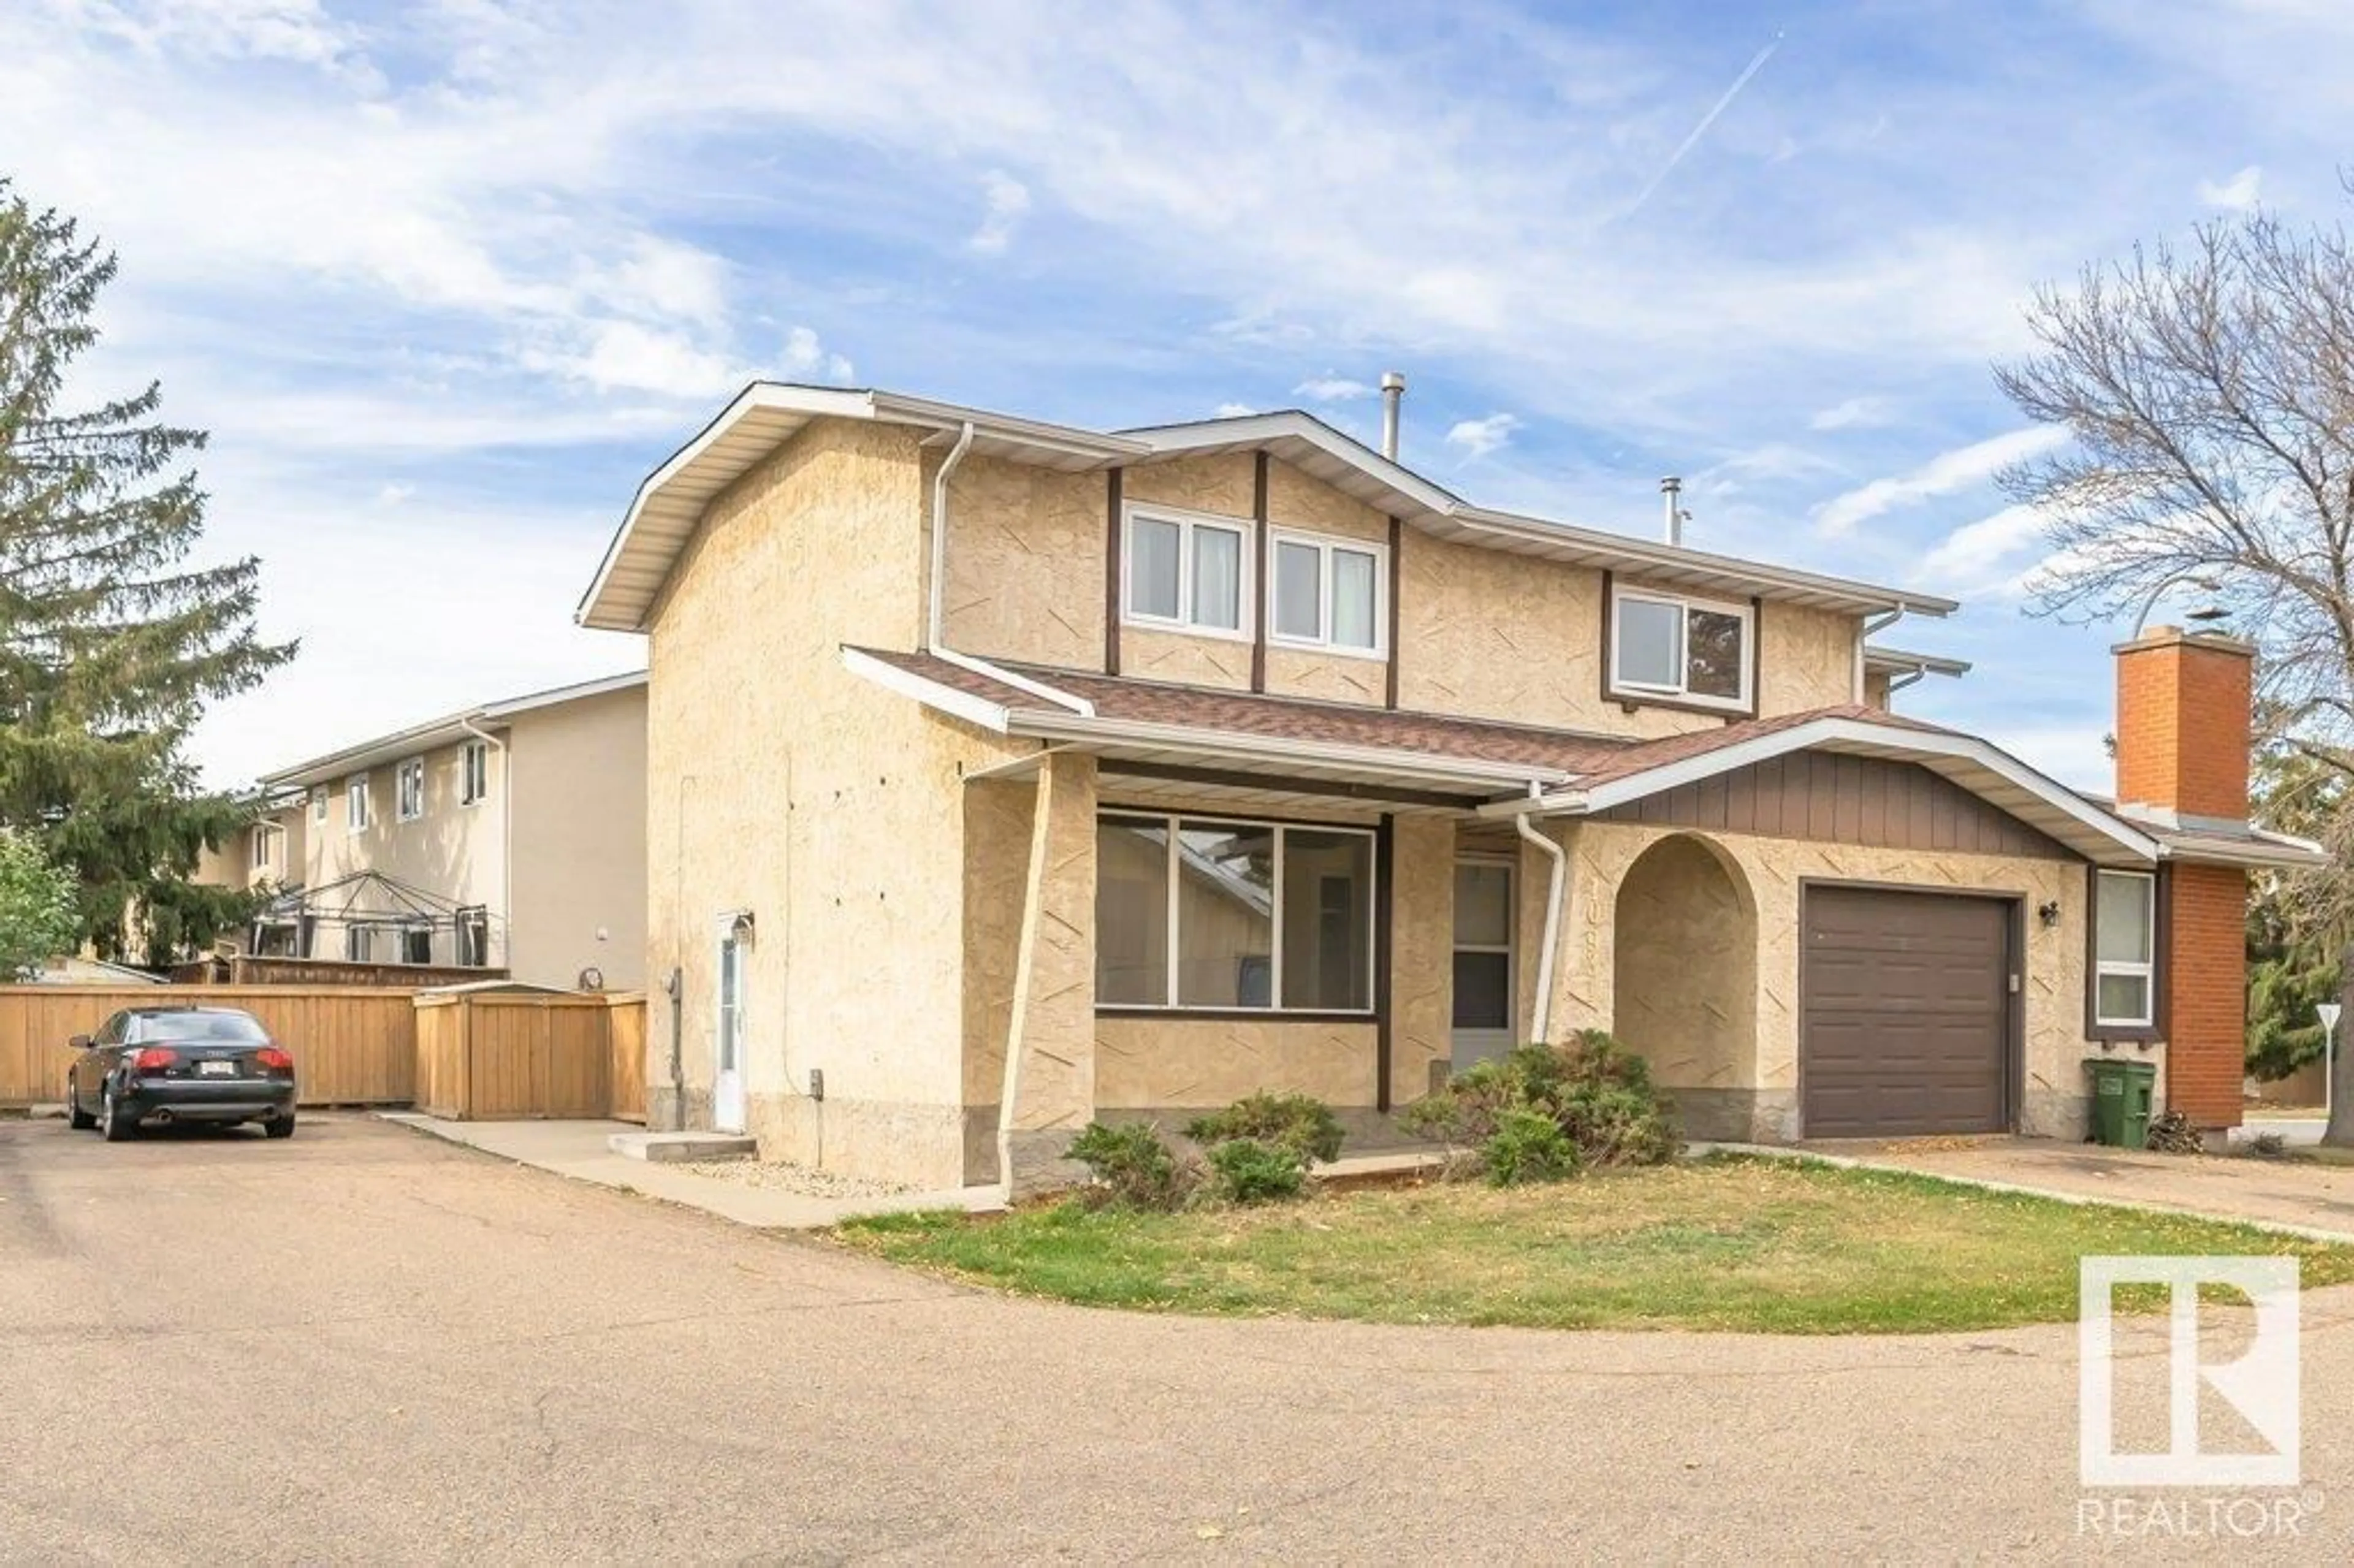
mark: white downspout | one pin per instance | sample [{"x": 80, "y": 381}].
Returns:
[
  {"x": 506, "y": 844},
  {"x": 936, "y": 615},
  {"x": 1873, "y": 627},
  {"x": 1553, "y": 891}
]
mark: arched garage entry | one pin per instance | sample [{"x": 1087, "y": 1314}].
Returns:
[{"x": 1685, "y": 980}]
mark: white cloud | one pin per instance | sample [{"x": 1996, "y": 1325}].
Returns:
[
  {"x": 1942, "y": 476},
  {"x": 1005, "y": 202},
  {"x": 1234, "y": 411},
  {"x": 1855, "y": 413},
  {"x": 808, "y": 359},
  {"x": 1976, "y": 555},
  {"x": 298, "y": 31},
  {"x": 2239, "y": 193},
  {"x": 1479, "y": 438},
  {"x": 394, "y": 495},
  {"x": 1331, "y": 389}
]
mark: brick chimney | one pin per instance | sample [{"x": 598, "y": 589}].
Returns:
[
  {"x": 2183, "y": 705},
  {"x": 2184, "y": 730}
]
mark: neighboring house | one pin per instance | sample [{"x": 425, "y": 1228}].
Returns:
[
  {"x": 1012, "y": 774},
  {"x": 510, "y": 835}
]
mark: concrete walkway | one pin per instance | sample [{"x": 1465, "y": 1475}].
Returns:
[
  {"x": 2294, "y": 1196},
  {"x": 579, "y": 1150}
]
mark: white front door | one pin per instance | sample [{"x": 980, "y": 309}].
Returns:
[
  {"x": 1484, "y": 979},
  {"x": 728, "y": 1068}
]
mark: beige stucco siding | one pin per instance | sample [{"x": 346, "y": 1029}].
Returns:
[
  {"x": 783, "y": 786},
  {"x": 1805, "y": 658},
  {"x": 1146, "y": 1063},
  {"x": 579, "y": 825},
  {"x": 456, "y": 851},
  {"x": 1025, "y": 563},
  {"x": 1224, "y": 484}
]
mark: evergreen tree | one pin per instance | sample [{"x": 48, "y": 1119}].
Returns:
[
  {"x": 2298, "y": 922},
  {"x": 112, "y": 639}
]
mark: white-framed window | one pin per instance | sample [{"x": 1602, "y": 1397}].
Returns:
[
  {"x": 2125, "y": 949},
  {"x": 267, "y": 837},
  {"x": 473, "y": 931},
  {"x": 408, "y": 789},
  {"x": 319, "y": 803},
  {"x": 1690, "y": 650},
  {"x": 356, "y": 802},
  {"x": 1188, "y": 571},
  {"x": 359, "y": 944},
  {"x": 474, "y": 773},
  {"x": 1205, "y": 913},
  {"x": 1329, "y": 593}
]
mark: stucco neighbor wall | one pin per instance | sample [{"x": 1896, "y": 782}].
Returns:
[
  {"x": 1772, "y": 869},
  {"x": 579, "y": 771},
  {"x": 455, "y": 851},
  {"x": 820, "y": 804}
]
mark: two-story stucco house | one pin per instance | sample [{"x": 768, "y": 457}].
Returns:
[
  {"x": 509, "y": 835},
  {"x": 1007, "y": 775}
]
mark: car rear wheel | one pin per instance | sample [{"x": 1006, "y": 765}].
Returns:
[
  {"x": 279, "y": 1126},
  {"x": 77, "y": 1118},
  {"x": 116, "y": 1128}
]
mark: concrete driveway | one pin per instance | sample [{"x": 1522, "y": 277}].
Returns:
[{"x": 367, "y": 1346}]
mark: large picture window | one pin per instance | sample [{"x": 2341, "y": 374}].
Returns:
[
  {"x": 1204, "y": 913},
  {"x": 2125, "y": 948},
  {"x": 1329, "y": 593},
  {"x": 1686, "y": 650},
  {"x": 1188, "y": 572}
]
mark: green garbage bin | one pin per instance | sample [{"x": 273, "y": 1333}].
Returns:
[{"x": 2122, "y": 1095}]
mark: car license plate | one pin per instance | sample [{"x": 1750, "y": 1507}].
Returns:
[{"x": 217, "y": 1069}]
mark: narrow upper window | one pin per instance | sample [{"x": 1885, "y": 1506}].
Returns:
[
  {"x": 356, "y": 802},
  {"x": 1187, "y": 571},
  {"x": 318, "y": 802},
  {"x": 1689, "y": 650},
  {"x": 474, "y": 773},
  {"x": 2124, "y": 945},
  {"x": 1329, "y": 593},
  {"x": 408, "y": 789},
  {"x": 265, "y": 845}
]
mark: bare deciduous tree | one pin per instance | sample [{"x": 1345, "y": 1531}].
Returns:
[{"x": 2210, "y": 393}]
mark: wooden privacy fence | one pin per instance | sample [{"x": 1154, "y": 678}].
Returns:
[
  {"x": 504, "y": 1055},
  {"x": 352, "y": 1045}
]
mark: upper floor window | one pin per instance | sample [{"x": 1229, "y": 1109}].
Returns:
[
  {"x": 474, "y": 773},
  {"x": 408, "y": 789},
  {"x": 266, "y": 838},
  {"x": 318, "y": 802},
  {"x": 1329, "y": 593},
  {"x": 2125, "y": 948},
  {"x": 1187, "y": 571},
  {"x": 1688, "y": 650},
  {"x": 356, "y": 802}
]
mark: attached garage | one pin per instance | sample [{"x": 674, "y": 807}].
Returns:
[{"x": 1906, "y": 1012}]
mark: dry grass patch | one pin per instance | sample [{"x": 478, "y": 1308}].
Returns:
[{"x": 1763, "y": 1245}]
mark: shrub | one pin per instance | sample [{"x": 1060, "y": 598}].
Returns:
[
  {"x": 1300, "y": 1123},
  {"x": 1527, "y": 1146},
  {"x": 1132, "y": 1167},
  {"x": 1595, "y": 1091},
  {"x": 1246, "y": 1170}
]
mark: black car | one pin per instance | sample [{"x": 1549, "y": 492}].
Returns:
[{"x": 154, "y": 1065}]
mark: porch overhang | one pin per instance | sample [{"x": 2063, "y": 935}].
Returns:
[{"x": 1984, "y": 769}]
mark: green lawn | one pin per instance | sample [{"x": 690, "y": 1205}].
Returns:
[{"x": 1764, "y": 1245}]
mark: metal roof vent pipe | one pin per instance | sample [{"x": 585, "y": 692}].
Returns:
[
  {"x": 1671, "y": 489},
  {"x": 1393, "y": 394}
]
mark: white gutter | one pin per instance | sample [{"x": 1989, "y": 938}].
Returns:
[
  {"x": 935, "y": 637},
  {"x": 1554, "y": 888},
  {"x": 1873, "y": 624},
  {"x": 506, "y": 841}
]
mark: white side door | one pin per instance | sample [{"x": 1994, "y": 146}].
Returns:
[
  {"x": 728, "y": 1060},
  {"x": 1486, "y": 978}
]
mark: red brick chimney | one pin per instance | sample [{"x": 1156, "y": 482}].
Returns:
[{"x": 2184, "y": 730}]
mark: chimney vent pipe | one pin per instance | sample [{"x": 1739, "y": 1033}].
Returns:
[
  {"x": 1393, "y": 394},
  {"x": 1672, "y": 488}
]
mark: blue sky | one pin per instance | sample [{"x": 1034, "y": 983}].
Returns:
[{"x": 445, "y": 279}]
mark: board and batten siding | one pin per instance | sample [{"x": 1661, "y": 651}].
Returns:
[{"x": 1842, "y": 800}]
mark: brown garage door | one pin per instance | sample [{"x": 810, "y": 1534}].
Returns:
[{"x": 1904, "y": 1013}]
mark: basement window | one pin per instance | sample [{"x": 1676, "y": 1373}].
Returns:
[
  {"x": 1683, "y": 650},
  {"x": 1209, "y": 915},
  {"x": 2125, "y": 948},
  {"x": 1187, "y": 572}
]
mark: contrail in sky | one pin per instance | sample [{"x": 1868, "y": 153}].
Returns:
[{"x": 1756, "y": 63}]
